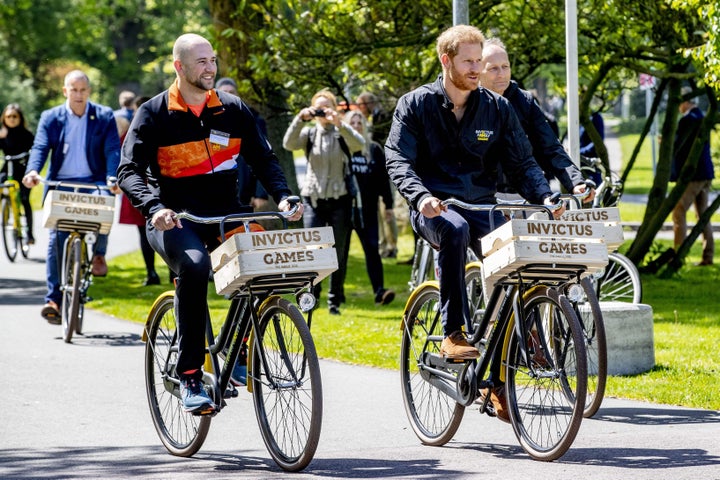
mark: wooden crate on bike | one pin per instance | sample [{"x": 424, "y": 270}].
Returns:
[
  {"x": 610, "y": 217},
  {"x": 247, "y": 255},
  {"x": 609, "y": 232},
  {"x": 552, "y": 243},
  {"x": 66, "y": 210}
]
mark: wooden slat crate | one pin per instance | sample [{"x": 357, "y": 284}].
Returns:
[
  {"x": 82, "y": 211},
  {"x": 247, "y": 255},
  {"x": 552, "y": 252},
  {"x": 610, "y": 233}
]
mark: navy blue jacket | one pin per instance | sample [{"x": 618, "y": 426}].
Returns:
[
  {"x": 546, "y": 148},
  {"x": 102, "y": 147},
  {"x": 429, "y": 153},
  {"x": 687, "y": 131}
]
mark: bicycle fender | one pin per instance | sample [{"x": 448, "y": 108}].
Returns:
[
  {"x": 510, "y": 327},
  {"x": 414, "y": 294},
  {"x": 161, "y": 297},
  {"x": 251, "y": 339}
]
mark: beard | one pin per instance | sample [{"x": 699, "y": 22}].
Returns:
[
  {"x": 459, "y": 81},
  {"x": 201, "y": 83}
]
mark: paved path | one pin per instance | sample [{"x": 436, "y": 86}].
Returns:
[{"x": 79, "y": 411}]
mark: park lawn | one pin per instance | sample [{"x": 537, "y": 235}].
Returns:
[{"x": 687, "y": 370}]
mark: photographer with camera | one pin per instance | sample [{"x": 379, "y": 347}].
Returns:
[{"x": 328, "y": 192}]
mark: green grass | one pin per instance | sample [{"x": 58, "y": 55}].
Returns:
[{"x": 687, "y": 368}]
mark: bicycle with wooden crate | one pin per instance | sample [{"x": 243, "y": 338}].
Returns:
[
  {"x": 84, "y": 211},
  {"x": 528, "y": 334},
  {"x": 268, "y": 277}
]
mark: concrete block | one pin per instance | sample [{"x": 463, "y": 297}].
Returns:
[{"x": 630, "y": 340}]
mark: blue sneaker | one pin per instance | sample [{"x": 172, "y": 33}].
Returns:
[
  {"x": 239, "y": 375},
  {"x": 194, "y": 397}
]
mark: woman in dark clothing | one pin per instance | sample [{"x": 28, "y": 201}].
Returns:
[
  {"x": 368, "y": 166},
  {"x": 15, "y": 138}
]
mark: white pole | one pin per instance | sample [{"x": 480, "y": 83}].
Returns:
[
  {"x": 461, "y": 14},
  {"x": 573, "y": 99}
]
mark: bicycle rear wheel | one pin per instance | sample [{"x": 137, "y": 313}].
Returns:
[
  {"x": 10, "y": 237},
  {"x": 593, "y": 329},
  {"x": 286, "y": 386},
  {"x": 182, "y": 433},
  {"x": 546, "y": 389},
  {"x": 620, "y": 281},
  {"x": 434, "y": 416},
  {"x": 70, "y": 285}
]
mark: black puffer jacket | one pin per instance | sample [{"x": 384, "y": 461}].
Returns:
[
  {"x": 546, "y": 148},
  {"x": 429, "y": 153}
]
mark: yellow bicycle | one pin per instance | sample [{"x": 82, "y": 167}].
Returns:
[{"x": 14, "y": 221}]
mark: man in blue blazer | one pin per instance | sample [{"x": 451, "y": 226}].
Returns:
[{"x": 82, "y": 140}]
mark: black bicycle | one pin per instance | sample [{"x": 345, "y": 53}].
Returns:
[
  {"x": 531, "y": 345},
  {"x": 261, "y": 326}
]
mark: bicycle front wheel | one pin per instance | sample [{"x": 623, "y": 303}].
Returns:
[
  {"x": 182, "y": 433},
  {"x": 286, "y": 385},
  {"x": 620, "y": 281},
  {"x": 546, "y": 386},
  {"x": 10, "y": 236},
  {"x": 70, "y": 285},
  {"x": 434, "y": 416}
]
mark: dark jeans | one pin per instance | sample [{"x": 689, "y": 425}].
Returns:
[
  {"x": 185, "y": 250},
  {"x": 369, "y": 235},
  {"x": 336, "y": 214},
  {"x": 453, "y": 231}
]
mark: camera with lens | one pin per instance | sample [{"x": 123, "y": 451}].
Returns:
[{"x": 318, "y": 112}]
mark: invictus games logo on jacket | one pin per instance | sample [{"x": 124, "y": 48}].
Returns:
[{"x": 483, "y": 135}]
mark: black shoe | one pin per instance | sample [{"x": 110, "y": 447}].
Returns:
[
  {"x": 334, "y": 310},
  {"x": 151, "y": 279},
  {"x": 384, "y": 296}
]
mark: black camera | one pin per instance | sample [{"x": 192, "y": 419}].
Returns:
[{"x": 318, "y": 112}]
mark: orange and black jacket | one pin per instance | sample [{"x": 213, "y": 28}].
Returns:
[{"x": 172, "y": 158}]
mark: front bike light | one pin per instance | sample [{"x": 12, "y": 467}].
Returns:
[
  {"x": 90, "y": 238},
  {"x": 575, "y": 293},
  {"x": 306, "y": 301}
]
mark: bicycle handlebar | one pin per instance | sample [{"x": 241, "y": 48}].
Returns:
[
  {"x": 549, "y": 209},
  {"x": 11, "y": 158},
  {"x": 111, "y": 183},
  {"x": 293, "y": 200}
]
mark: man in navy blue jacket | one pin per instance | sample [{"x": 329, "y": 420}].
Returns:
[
  {"x": 698, "y": 189},
  {"x": 82, "y": 140}
]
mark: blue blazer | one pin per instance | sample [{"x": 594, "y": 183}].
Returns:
[{"x": 102, "y": 147}]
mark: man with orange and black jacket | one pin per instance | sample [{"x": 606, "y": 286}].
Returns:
[{"x": 181, "y": 155}]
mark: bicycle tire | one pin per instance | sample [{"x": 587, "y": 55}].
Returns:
[
  {"x": 85, "y": 265},
  {"x": 23, "y": 234},
  {"x": 620, "y": 281},
  {"x": 181, "y": 433},
  {"x": 593, "y": 327},
  {"x": 70, "y": 285},
  {"x": 434, "y": 416},
  {"x": 546, "y": 399},
  {"x": 288, "y": 395},
  {"x": 8, "y": 228}
]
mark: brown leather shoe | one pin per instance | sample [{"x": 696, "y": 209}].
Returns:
[
  {"x": 455, "y": 346},
  {"x": 499, "y": 402},
  {"x": 99, "y": 267},
  {"x": 51, "y": 313}
]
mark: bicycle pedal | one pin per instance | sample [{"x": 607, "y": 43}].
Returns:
[
  {"x": 205, "y": 410},
  {"x": 231, "y": 391}
]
